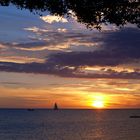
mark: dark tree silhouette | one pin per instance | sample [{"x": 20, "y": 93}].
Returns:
[{"x": 92, "y": 13}]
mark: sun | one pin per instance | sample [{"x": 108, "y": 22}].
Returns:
[
  {"x": 98, "y": 104},
  {"x": 99, "y": 101}
]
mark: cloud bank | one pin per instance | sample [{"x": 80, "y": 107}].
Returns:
[{"x": 118, "y": 48}]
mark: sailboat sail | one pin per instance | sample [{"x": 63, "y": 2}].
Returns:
[{"x": 55, "y": 106}]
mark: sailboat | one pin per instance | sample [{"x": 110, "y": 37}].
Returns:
[
  {"x": 30, "y": 109},
  {"x": 55, "y": 106},
  {"x": 134, "y": 116}
]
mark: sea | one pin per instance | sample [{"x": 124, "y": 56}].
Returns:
[{"x": 45, "y": 124}]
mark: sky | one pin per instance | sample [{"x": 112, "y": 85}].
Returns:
[{"x": 47, "y": 59}]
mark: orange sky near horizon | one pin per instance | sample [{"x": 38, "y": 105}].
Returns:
[{"x": 41, "y": 91}]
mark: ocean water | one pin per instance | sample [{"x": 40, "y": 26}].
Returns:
[{"x": 69, "y": 125}]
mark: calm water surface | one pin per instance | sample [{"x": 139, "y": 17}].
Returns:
[{"x": 69, "y": 125}]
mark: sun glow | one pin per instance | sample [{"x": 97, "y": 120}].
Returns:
[{"x": 99, "y": 102}]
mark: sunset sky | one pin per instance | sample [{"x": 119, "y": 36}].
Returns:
[{"x": 47, "y": 59}]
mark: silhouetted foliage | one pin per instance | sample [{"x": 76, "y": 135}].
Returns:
[{"x": 93, "y": 13}]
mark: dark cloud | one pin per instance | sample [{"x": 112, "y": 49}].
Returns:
[
  {"x": 42, "y": 68},
  {"x": 121, "y": 47},
  {"x": 65, "y": 71},
  {"x": 96, "y": 58}
]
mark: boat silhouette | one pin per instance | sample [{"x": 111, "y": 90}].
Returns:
[
  {"x": 30, "y": 109},
  {"x": 134, "y": 116},
  {"x": 55, "y": 106}
]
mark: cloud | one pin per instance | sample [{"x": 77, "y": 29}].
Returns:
[
  {"x": 3, "y": 47},
  {"x": 35, "y": 29},
  {"x": 61, "y": 30},
  {"x": 65, "y": 71},
  {"x": 60, "y": 39},
  {"x": 118, "y": 48},
  {"x": 52, "y": 19},
  {"x": 20, "y": 59},
  {"x": 121, "y": 47}
]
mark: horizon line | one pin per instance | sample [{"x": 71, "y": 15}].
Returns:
[{"x": 12, "y": 108}]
